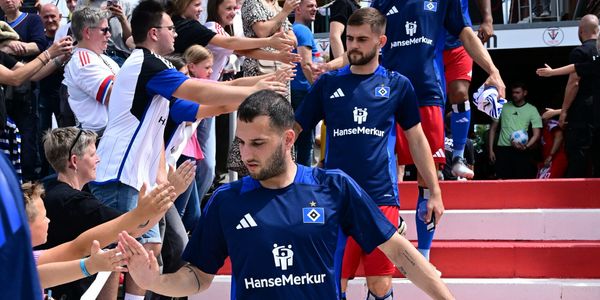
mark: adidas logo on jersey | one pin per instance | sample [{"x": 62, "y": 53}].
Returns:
[
  {"x": 337, "y": 94},
  {"x": 392, "y": 11},
  {"x": 246, "y": 222},
  {"x": 439, "y": 153},
  {"x": 462, "y": 120}
]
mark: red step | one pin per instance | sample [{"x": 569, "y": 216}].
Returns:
[
  {"x": 500, "y": 194},
  {"x": 508, "y": 259}
]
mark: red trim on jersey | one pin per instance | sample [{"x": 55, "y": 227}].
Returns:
[
  {"x": 104, "y": 88},
  {"x": 84, "y": 58}
]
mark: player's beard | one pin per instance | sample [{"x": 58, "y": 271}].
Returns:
[
  {"x": 363, "y": 59},
  {"x": 275, "y": 165}
]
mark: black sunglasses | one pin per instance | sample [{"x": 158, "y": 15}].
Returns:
[
  {"x": 104, "y": 30},
  {"x": 75, "y": 142}
]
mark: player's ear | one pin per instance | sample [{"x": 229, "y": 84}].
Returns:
[
  {"x": 382, "y": 40},
  {"x": 290, "y": 138}
]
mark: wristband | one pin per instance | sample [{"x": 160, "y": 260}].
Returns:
[
  {"x": 83, "y": 268},
  {"x": 41, "y": 60},
  {"x": 47, "y": 55}
]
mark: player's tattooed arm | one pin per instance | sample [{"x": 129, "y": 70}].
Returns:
[
  {"x": 415, "y": 267},
  {"x": 191, "y": 270}
]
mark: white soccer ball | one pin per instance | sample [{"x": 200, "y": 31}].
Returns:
[{"x": 519, "y": 136}]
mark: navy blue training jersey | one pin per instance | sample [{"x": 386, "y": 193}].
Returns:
[
  {"x": 413, "y": 29},
  {"x": 286, "y": 243},
  {"x": 361, "y": 112},
  {"x": 18, "y": 278}
]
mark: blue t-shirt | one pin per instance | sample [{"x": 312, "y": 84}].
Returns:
[
  {"x": 19, "y": 279},
  {"x": 413, "y": 29},
  {"x": 305, "y": 38},
  {"x": 361, "y": 112},
  {"x": 286, "y": 243},
  {"x": 452, "y": 41}
]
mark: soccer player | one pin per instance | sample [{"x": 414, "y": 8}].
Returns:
[
  {"x": 458, "y": 67},
  {"x": 284, "y": 226},
  {"x": 361, "y": 104},
  {"x": 414, "y": 29},
  {"x": 132, "y": 145},
  {"x": 19, "y": 278}
]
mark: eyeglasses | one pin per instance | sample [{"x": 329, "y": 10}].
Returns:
[
  {"x": 170, "y": 27},
  {"x": 104, "y": 30},
  {"x": 74, "y": 143}
]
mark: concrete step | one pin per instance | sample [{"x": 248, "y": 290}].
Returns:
[
  {"x": 509, "y": 259},
  {"x": 462, "y": 288},
  {"x": 513, "y": 224},
  {"x": 500, "y": 194}
]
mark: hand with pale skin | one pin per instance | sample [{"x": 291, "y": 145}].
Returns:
[
  {"x": 63, "y": 46},
  {"x": 142, "y": 265},
  {"x": 285, "y": 75},
  {"x": 182, "y": 177},
  {"x": 546, "y": 71},
  {"x": 495, "y": 80},
  {"x": 287, "y": 57},
  {"x": 157, "y": 201},
  {"x": 16, "y": 48},
  {"x": 290, "y": 5},
  {"x": 281, "y": 42},
  {"x": 550, "y": 113},
  {"x": 271, "y": 83},
  {"x": 107, "y": 261},
  {"x": 117, "y": 10}
]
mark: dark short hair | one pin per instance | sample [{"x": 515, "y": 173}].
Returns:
[
  {"x": 147, "y": 15},
  {"x": 371, "y": 16},
  {"x": 519, "y": 84},
  {"x": 270, "y": 104}
]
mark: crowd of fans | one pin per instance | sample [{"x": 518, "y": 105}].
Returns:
[{"x": 106, "y": 96}]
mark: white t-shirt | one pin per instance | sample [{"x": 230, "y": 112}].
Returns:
[
  {"x": 220, "y": 55},
  {"x": 134, "y": 137},
  {"x": 88, "y": 77}
]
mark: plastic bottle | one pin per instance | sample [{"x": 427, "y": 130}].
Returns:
[{"x": 318, "y": 59}]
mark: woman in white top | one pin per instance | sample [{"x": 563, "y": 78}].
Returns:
[{"x": 89, "y": 74}]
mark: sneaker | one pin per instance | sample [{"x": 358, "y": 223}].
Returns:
[
  {"x": 545, "y": 13},
  {"x": 402, "y": 227},
  {"x": 460, "y": 169}
]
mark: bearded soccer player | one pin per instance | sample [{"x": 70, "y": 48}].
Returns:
[
  {"x": 283, "y": 227},
  {"x": 361, "y": 105}
]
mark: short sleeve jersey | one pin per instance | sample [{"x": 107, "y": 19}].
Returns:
[
  {"x": 19, "y": 278},
  {"x": 414, "y": 27},
  {"x": 88, "y": 77},
  {"x": 131, "y": 145},
  {"x": 361, "y": 112},
  {"x": 190, "y": 32},
  {"x": 305, "y": 39},
  {"x": 515, "y": 118},
  {"x": 220, "y": 55},
  {"x": 452, "y": 41},
  {"x": 286, "y": 243}
]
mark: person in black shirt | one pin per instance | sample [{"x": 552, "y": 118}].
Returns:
[{"x": 340, "y": 12}]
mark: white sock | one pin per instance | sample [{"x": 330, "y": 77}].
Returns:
[{"x": 133, "y": 297}]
